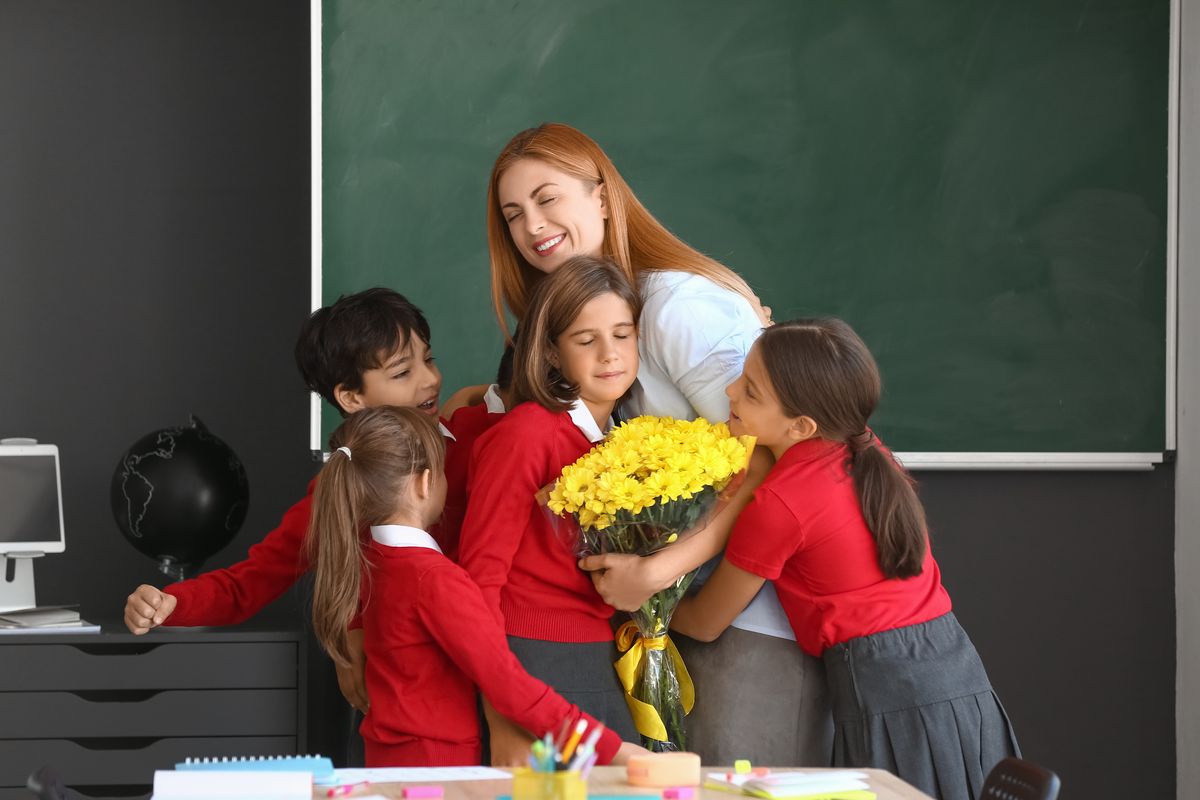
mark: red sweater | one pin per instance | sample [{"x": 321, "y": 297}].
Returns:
[
  {"x": 430, "y": 639},
  {"x": 526, "y": 569},
  {"x": 467, "y": 425},
  {"x": 233, "y": 595},
  {"x": 805, "y": 531}
]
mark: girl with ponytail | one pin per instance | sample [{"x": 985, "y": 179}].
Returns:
[
  {"x": 428, "y": 635},
  {"x": 838, "y": 528}
]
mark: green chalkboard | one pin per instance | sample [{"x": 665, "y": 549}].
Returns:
[{"x": 979, "y": 188}]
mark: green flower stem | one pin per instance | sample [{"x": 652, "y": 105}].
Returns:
[{"x": 643, "y": 534}]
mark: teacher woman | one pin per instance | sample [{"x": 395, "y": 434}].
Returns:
[{"x": 554, "y": 194}]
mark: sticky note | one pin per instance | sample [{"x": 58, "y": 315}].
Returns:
[
  {"x": 741, "y": 766},
  {"x": 679, "y": 793},
  {"x": 422, "y": 791}
]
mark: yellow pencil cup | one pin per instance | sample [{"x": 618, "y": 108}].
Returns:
[{"x": 531, "y": 785}]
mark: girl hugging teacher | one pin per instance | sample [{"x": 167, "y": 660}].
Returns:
[{"x": 553, "y": 195}]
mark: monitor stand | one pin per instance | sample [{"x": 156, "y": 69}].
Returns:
[{"x": 16, "y": 581}]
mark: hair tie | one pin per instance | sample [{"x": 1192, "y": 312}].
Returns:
[
  {"x": 346, "y": 450},
  {"x": 861, "y": 441}
]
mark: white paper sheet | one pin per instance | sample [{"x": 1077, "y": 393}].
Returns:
[
  {"x": 243, "y": 785},
  {"x": 420, "y": 775}
]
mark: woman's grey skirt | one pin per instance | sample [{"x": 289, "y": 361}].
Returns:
[
  {"x": 583, "y": 673},
  {"x": 758, "y": 697},
  {"x": 917, "y": 702}
]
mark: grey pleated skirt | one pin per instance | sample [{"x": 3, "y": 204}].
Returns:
[
  {"x": 583, "y": 673},
  {"x": 917, "y": 702},
  {"x": 758, "y": 697}
]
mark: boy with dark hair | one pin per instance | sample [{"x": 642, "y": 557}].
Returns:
[{"x": 367, "y": 349}]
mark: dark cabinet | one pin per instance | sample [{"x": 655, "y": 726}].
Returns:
[{"x": 107, "y": 710}]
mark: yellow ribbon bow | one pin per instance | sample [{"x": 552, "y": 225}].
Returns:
[{"x": 645, "y": 716}]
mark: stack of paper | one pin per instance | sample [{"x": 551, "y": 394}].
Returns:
[
  {"x": 45, "y": 619},
  {"x": 178, "y": 785},
  {"x": 816, "y": 785}
]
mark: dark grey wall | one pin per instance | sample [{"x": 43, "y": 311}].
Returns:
[
  {"x": 154, "y": 252},
  {"x": 154, "y": 262},
  {"x": 1065, "y": 582}
]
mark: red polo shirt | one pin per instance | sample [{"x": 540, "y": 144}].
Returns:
[{"x": 804, "y": 530}]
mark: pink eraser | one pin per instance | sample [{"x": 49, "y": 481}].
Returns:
[
  {"x": 760, "y": 772},
  {"x": 679, "y": 793},
  {"x": 422, "y": 791}
]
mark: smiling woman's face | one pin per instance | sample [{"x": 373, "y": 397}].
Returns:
[{"x": 551, "y": 215}]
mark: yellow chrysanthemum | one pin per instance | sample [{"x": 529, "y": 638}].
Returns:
[{"x": 645, "y": 462}]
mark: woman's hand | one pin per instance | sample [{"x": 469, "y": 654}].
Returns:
[
  {"x": 466, "y": 396},
  {"x": 764, "y": 313},
  {"x": 350, "y": 678}
]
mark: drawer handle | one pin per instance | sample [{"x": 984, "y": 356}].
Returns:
[
  {"x": 115, "y": 742},
  {"x": 136, "y": 791},
  {"x": 130, "y": 649},
  {"x": 116, "y": 695}
]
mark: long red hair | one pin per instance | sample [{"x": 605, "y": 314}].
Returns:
[{"x": 633, "y": 239}]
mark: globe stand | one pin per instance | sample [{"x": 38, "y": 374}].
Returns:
[
  {"x": 176, "y": 570},
  {"x": 16, "y": 581}
]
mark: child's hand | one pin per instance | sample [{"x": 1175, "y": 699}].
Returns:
[
  {"x": 624, "y": 581},
  {"x": 350, "y": 678},
  {"x": 147, "y": 608},
  {"x": 510, "y": 743},
  {"x": 626, "y": 750}
]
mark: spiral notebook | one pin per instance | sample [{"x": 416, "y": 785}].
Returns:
[{"x": 243, "y": 778}]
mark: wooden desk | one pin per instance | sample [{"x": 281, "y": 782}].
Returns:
[{"x": 611, "y": 780}]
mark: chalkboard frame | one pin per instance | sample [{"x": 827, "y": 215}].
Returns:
[{"x": 915, "y": 460}]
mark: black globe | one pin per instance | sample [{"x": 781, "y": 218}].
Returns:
[{"x": 179, "y": 495}]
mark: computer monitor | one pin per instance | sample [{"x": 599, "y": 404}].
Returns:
[{"x": 31, "y": 518}]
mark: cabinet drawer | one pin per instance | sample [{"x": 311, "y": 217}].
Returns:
[
  {"x": 49, "y": 715},
  {"x": 90, "y": 793},
  {"x": 77, "y": 764},
  {"x": 173, "y": 665}
]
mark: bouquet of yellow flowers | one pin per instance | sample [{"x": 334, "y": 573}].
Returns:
[{"x": 652, "y": 480}]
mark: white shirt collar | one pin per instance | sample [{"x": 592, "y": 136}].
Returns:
[
  {"x": 446, "y": 432},
  {"x": 586, "y": 423},
  {"x": 491, "y": 399},
  {"x": 403, "y": 536}
]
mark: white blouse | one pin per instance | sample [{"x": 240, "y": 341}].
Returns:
[{"x": 693, "y": 338}]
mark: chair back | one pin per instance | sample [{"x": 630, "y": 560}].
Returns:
[{"x": 1017, "y": 779}]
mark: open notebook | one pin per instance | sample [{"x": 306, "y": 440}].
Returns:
[{"x": 824, "y": 785}]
